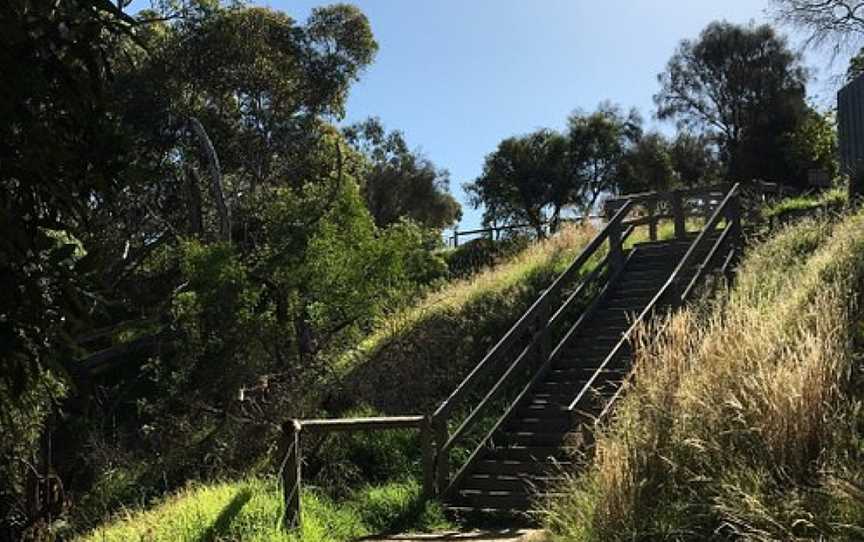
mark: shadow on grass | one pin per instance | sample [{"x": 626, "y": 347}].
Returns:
[{"x": 226, "y": 516}]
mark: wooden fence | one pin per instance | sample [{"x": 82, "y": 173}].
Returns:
[{"x": 293, "y": 431}]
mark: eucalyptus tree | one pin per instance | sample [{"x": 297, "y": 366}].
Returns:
[
  {"x": 598, "y": 142},
  {"x": 742, "y": 86},
  {"x": 399, "y": 183},
  {"x": 524, "y": 180}
]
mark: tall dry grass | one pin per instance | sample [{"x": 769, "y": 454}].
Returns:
[{"x": 744, "y": 419}]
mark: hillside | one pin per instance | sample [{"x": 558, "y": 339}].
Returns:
[
  {"x": 364, "y": 484},
  {"x": 744, "y": 420}
]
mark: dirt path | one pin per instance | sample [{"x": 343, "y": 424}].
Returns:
[{"x": 507, "y": 535}]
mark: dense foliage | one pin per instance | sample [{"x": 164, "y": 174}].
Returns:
[{"x": 190, "y": 238}]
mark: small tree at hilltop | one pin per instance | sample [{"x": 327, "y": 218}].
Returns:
[
  {"x": 598, "y": 143},
  {"x": 521, "y": 179}
]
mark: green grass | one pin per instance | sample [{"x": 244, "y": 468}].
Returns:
[
  {"x": 445, "y": 333},
  {"x": 251, "y": 511},
  {"x": 746, "y": 417},
  {"x": 834, "y": 199}
]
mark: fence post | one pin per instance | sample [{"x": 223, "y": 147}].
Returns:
[
  {"x": 291, "y": 476},
  {"x": 678, "y": 215},
  {"x": 426, "y": 441},
  {"x": 442, "y": 457},
  {"x": 652, "y": 222},
  {"x": 455, "y": 238},
  {"x": 616, "y": 251},
  {"x": 543, "y": 322}
]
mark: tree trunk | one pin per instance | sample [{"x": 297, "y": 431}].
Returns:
[
  {"x": 208, "y": 154},
  {"x": 194, "y": 192}
]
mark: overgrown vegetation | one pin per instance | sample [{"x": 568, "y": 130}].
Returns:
[
  {"x": 829, "y": 200},
  {"x": 744, "y": 420}
]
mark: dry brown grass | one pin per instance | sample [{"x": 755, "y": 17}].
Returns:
[{"x": 742, "y": 416}]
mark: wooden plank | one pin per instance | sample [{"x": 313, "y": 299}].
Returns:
[
  {"x": 428, "y": 446},
  {"x": 381, "y": 423},
  {"x": 442, "y": 456}
]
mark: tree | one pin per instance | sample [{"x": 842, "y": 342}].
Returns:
[
  {"x": 597, "y": 144},
  {"x": 743, "y": 86},
  {"x": 399, "y": 183},
  {"x": 694, "y": 160},
  {"x": 524, "y": 181},
  {"x": 647, "y": 165},
  {"x": 836, "y": 23}
]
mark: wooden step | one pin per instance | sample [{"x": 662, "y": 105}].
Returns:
[
  {"x": 495, "y": 500},
  {"x": 516, "y": 483},
  {"x": 529, "y": 438},
  {"x": 552, "y": 423},
  {"x": 582, "y": 374},
  {"x": 504, "y": 467},
  {"x": 529, "y": 453}
]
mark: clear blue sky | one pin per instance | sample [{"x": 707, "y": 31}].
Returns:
[{"x": 457, "y": 76}]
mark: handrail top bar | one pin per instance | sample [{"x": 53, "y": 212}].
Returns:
[
  {"x": 580, "y": 260},
  {"x": 712, "y": 222},
  {"x": 526, "y": 225},
  {"x": 684, "y": 192},
  {"x": 366, "y": 423}
]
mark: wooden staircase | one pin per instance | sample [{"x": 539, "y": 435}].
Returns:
[
  {"x": 538, "y": 440},
  {"x": 568, "y": 365}
]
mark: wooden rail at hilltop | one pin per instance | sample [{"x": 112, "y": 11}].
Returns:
[{"x": 539, "y": 336}]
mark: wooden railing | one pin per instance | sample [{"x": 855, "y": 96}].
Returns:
[
  {"x": 677, "y": 290},
  {"x": 532, "y": 333},
  {"x": 494, "y": 232},
  {"x": 676, "y": 206},
  {"x": 293, "y": 431}
]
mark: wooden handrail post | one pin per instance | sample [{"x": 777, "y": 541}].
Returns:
[
  {"x": 427, "y": 443},
  {"x": 291, "y": 475},
  {"x": 733, "y": 215},
  {"x": 652, "y": 222},
  {"x": 442, "y": 457},
  {"x": 616, "y": 251},
  {"x": 678, "y": 215},
  {"x": 545, "y": 343}
]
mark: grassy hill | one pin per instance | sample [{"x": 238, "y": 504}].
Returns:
[{"x": 745, "y": 420}]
